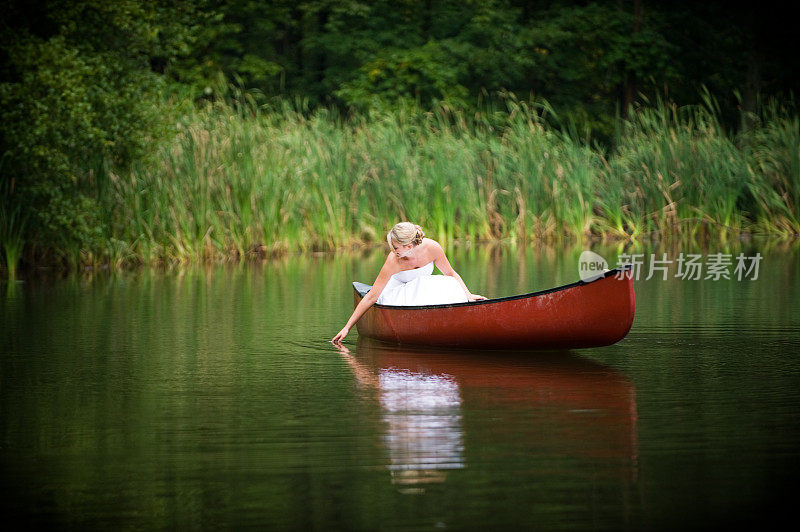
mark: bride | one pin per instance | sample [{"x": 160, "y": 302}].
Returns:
[{"x": 406, "y": 280}]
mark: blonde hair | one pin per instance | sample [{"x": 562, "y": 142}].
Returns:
[{"x": 405, "y": 233}]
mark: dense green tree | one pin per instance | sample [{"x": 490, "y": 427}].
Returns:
[
  {"x": 742, "y": 52},
  {"x": 246, "y": 40},
  {"x": 591, "y": 60},
  {"x": 79, "y": 94}
]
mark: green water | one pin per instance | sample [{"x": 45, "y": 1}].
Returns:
[{"x": 210, "y": 398}]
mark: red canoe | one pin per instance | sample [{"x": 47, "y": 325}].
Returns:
[{"x": 581, "y": 314}]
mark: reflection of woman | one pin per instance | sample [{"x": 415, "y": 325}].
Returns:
[
  {"x": 405, "y": 278},
  {"x": 422, "y": 416}
]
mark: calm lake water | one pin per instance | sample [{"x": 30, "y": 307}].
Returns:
[{"x": 211, "y": 398}]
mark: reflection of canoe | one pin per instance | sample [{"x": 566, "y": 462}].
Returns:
[
  {"x": 581, "y": 314},
  {"x": 570, "y": 406}
]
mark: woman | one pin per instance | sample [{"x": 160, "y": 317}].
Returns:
[{"x": 406, "y": 279}]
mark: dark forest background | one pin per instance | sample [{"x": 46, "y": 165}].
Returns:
[{"x": 589, "y": 59}]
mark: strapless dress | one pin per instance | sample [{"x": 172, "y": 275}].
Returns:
[{"x": 418, "y": 287}]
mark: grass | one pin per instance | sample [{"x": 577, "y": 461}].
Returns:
[{"x": 239, "y": 182}]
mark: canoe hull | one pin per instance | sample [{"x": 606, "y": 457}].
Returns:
[{"x": 579, "y": 315}]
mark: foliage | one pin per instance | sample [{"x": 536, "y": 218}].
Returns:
[
  {"x": 78, "y": 99},
  {"x": 426, "y": 74},
  {"x": 123, "y": 138},
  {"x": 589, "y": 59},
  {"x": 774, "y": 156},
  {"x": 239, "y": 183}
]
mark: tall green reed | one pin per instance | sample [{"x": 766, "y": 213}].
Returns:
[
  {"x": 239, "y": 181},
  {"x": 774, "y": 161},
  {"x": 672, "y": 169}
]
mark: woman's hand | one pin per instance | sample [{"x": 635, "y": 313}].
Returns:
[
  {"x": 340, "y": 336},
  {"x": 476, "y": 297}
]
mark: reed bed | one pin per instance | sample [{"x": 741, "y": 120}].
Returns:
[{"x": 239, "y": 182}]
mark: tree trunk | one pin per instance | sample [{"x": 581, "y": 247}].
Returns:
[
  {"x": 751, "y": 90},
  {"x": 630, "y": 76}
]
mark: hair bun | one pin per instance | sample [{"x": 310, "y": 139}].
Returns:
[{"x": 419, "y": 236}]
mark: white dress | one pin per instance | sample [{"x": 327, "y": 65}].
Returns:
[{"x": 418, "y": 287}]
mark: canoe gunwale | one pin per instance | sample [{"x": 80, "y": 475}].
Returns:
[{"x": 609, "y": 273}]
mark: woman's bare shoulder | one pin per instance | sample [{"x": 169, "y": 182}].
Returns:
[
  {"x": 392, "y": 264},
  {"x": 432, "y": 247},
  {"x": 429, "y": 243}
]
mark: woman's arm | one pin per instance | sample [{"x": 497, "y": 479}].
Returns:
[
  {"x": 440, "y": 259},
  {"x": 389, "y": 268},
  {"x": 363, "y": 375}
]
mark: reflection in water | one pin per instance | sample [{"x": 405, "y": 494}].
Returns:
[
  {"x": 555, "y": 406},
  {"x": 421, "y": 412},
  {"x": 423, "y": 424}
]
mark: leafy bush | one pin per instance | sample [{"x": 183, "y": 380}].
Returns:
[{"x": 78, "y": 99}]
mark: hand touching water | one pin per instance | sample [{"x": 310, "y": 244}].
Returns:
[{"x": 340, "y": 336}]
